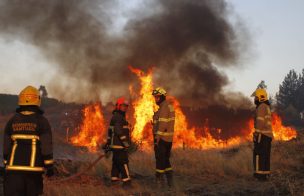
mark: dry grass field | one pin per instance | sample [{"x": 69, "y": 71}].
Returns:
[{"x": 197, "y": 172}]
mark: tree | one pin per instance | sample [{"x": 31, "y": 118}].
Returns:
[
  {"x": 299, "y": 98},
  {"x": 291, "y": 115},
  {"x": 301, "y": 78},
  {"x": 288, "y": 91}
]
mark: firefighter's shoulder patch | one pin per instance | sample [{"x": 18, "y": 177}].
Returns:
[{"x": 24, "y": 126}]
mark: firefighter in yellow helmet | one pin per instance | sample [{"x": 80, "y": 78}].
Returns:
[
  {"x": 27, "y": 147},
  {"x": 163, "y": 130},
  {"x": 262, "y": 135}
]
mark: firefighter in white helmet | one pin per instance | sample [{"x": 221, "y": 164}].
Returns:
[
  {"x": 27, "y": 147},
  {"x": 262, "y": 135},
  {"x": 163, "y": 130}
]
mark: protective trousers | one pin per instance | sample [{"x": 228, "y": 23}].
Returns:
[
  {"x": 261, "y": 155},
  {"x": 23, "y": 184},
  {"x": 162, "y": 155},
  {"x": 120, "y": 166}
]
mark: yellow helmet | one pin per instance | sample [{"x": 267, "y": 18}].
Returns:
[
  {"x": 261, "y": 94},
  {"x": 29, "y": 96},
  {"x": 159, "y": 91}
]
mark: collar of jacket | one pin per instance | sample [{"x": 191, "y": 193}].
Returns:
[
  {"x": 30, "y": 108},
  {"x": 266, "y": 102},
  {"x": 119, "y": 112}
]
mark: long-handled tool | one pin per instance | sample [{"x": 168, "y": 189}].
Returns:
[{"x": 90, "y": 166}]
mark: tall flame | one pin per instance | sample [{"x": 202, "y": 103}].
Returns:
[
  {"x": 92, "y": 129},
  {"x": 144, "y": 105}
]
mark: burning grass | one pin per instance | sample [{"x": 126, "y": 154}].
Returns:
[{"x": 92, "y": 130}]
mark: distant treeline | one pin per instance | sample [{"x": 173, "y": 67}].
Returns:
[{"x": 290, "y": 99}]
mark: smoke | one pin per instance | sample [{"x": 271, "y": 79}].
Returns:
[{"x": 187, "y": 41}]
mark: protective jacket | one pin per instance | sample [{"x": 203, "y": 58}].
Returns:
[
  {"x": 163, "y": 122},
  {"x": 263, "y": 120},
  {"x": 27, "y": 145},
  {"x": 118, "y": 132}
]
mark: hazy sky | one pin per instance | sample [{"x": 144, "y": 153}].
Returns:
[
  {"x": 277, "y": 32},
  {"x": 276, "y": 28}
]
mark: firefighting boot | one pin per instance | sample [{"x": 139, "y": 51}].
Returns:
[
  {"x": 159, "y": 180},
  {"x": 263, "y": 178},
  {"x": 127, "y": 184},
  {"x": 260, "y": 177},
  {"x": 169, "y": 176},
  {"x": 115, "y": 181}
]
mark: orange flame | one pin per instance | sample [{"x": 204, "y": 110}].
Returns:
[
  {"x": 143, "y": 107},
  {"x": 185, "y": 136},
  {"x": 193, "y": 137},
  {"x": 92, "y": 129},
  {"x": 281, "y": 132}
]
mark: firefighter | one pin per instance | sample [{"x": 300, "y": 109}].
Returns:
[
  {"x": 262, "y": 135},
  {"x": 163, "y": 129},
  {"x": 118, "y": 142},
  {"x": 27, "y": 147}
]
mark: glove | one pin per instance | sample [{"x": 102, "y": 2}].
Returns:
[
  {"x": 106, "y": 148},
  {"x": 126, "y": 144},
  {"x": 2, "y": 171},
  {"x": 50, "y": 171},
  {"x": 156, "y": 140},
  {"x": 255, "y": 137},
  {"x": 4, "y": 163}
]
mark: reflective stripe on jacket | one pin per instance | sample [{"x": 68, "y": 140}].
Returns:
[{"x": 27, "y": 144}]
